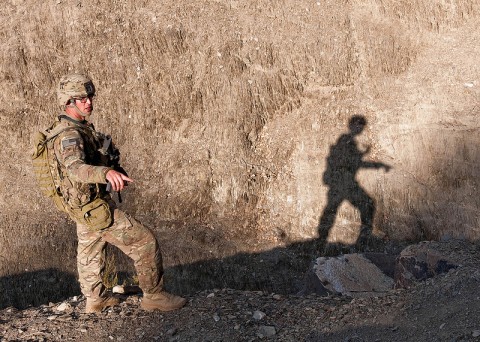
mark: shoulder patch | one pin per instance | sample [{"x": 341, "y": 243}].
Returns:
[{"x": 70, "y": 142}]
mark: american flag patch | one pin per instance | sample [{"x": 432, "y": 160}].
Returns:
[{"x": 70, "y": 142}]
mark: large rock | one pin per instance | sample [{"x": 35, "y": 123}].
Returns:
[
  {"x": 419, "y": 262},
  {"x": 351, "y": 274}
]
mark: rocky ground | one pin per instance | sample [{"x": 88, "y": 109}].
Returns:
[{"x": 443, "y": 308}]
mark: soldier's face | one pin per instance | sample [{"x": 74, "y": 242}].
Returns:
[{"x": 85, "y": 105}]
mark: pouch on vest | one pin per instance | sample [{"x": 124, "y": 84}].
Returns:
[{"x": 96, "y": 215}]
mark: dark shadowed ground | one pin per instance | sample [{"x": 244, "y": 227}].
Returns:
[{"x": 443, "y": 308}]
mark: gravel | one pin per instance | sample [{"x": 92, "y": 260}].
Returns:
[{"x": 443, "y": 308}]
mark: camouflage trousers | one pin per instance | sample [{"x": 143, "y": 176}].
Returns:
[{"x": 133, "y": 239}]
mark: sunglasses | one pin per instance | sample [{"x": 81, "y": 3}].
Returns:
[{"x": 84, "y": 99}]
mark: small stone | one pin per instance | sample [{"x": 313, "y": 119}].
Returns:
[
  {"x": 216, "y": 317},
  {"x": 277, "y": 297},
  {"x": 476, "y": 333},
  {"x": 64, "y": 306},
  {"x": 266, "y": 331},
  {"x": 172, "y": 331},
  {"x": 118, "y": 289},
  {"x": 258, "y": 315},
  {"x": 236, "y": 327},
  {"x": 211, "y": 295},
  {"x": 51, "y": 318}
]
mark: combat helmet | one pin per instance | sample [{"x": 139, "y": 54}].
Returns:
[{"x": 74, "y": 86}]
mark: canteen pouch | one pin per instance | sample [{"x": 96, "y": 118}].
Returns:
[{"x": 96, "y": 215}]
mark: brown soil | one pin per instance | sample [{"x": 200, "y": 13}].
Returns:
[{"x": 225, "y": 113}]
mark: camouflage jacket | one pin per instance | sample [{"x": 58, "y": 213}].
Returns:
[{"x": 82, "y": 167}]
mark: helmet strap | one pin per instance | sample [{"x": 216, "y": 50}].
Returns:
[{"x": 77, "y": 110}]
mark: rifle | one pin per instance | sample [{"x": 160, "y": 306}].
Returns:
[{"x": 113, "y": 160}]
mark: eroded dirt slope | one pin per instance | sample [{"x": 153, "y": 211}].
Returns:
[{"x": 226, "y": 113}]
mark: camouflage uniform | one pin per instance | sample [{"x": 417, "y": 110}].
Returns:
[
  {"x": 75, "y": 177},
  {"x": 82, "y": 169}
]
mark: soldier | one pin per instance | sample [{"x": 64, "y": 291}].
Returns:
[{"x": 84, "y": 159}]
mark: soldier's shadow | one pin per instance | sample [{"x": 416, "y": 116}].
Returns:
[
  {"x": 343, "y": 162},
  {"x": 282, "y": 270}
]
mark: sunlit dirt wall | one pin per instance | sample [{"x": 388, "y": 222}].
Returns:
[{"x": 229, "y": 113}]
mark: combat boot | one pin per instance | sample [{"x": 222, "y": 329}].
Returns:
[
  {"x": 97, "y": 304},
  {"x": 162, "y": 301}
]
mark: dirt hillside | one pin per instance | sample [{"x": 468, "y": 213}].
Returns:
[{"x": 232, "y": 117}]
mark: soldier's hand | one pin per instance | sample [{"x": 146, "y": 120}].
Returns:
[{"x": 117, "y": 180}]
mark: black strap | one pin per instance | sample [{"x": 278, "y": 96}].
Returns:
[{"x": 82, "y": 123}]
